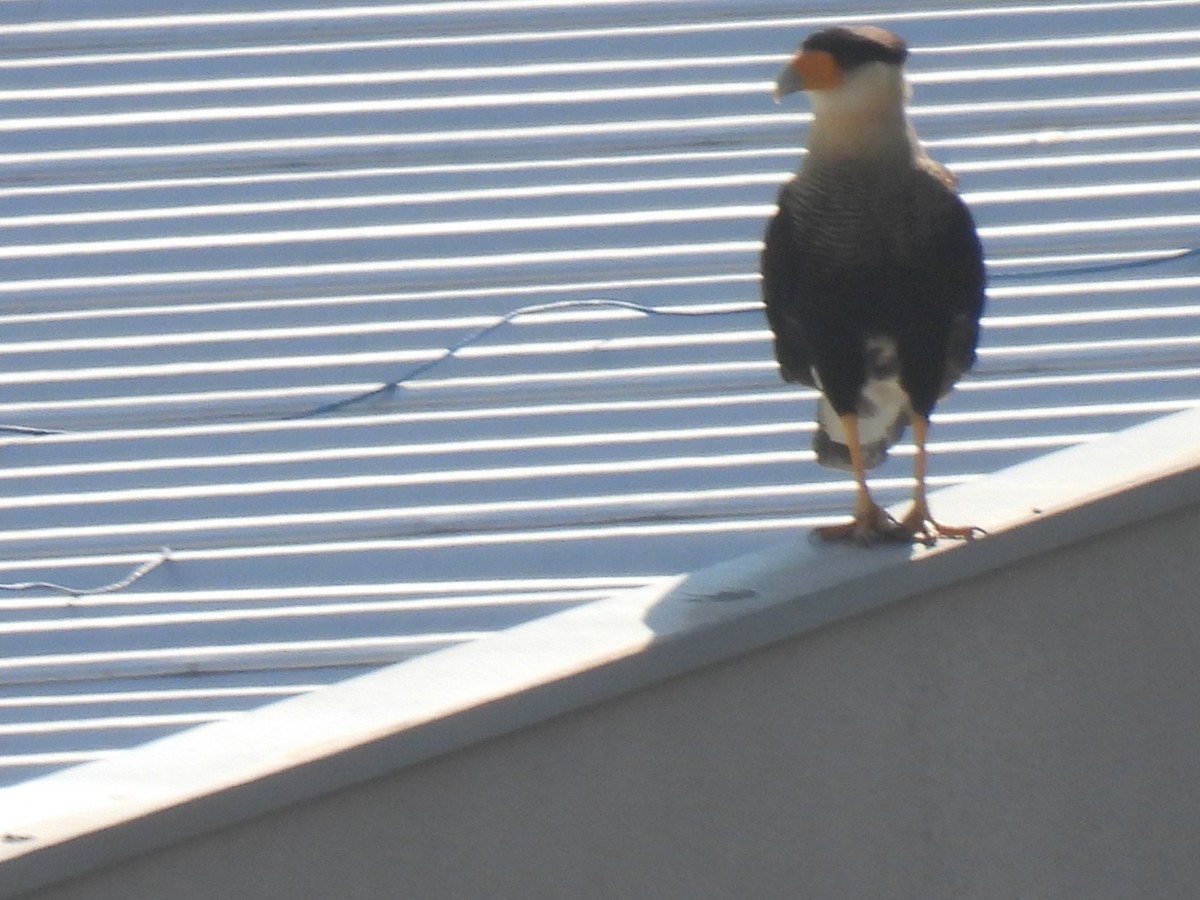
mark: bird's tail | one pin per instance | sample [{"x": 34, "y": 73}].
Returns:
[{"x": 882, "y": 416}]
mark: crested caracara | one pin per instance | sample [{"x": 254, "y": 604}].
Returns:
[{"x": 872, "y": 272}]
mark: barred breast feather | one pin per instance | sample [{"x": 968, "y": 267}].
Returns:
[{"x": 873, "y": 282}]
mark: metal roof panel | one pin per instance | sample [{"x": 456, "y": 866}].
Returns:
[{"x": 218, "y": 222}]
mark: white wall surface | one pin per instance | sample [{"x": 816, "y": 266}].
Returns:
[{"x": 1026, "y": 734}]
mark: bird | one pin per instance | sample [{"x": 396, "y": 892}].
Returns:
[{"x": 873, "y": 277}]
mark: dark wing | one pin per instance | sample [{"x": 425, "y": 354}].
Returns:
[
  {"x": 964, "y": 282},
  {"x": 780, "y": 265},
  {"x": 952, "y": 281}
]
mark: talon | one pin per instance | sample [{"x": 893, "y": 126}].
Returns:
[
  {"x": 919, "y": 524},
  {"x": 922, "y": 528},
  {"x": 871, "y": 524}
]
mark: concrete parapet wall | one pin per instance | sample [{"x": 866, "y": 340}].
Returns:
[
  {"x": 1023, "y": 725},
  {"x": 1029, "y": 733}
]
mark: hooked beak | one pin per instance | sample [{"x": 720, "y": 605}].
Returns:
[{"x": 788, "y": 81}]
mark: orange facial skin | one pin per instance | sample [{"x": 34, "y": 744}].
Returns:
[{"x": 818, "y": 71}]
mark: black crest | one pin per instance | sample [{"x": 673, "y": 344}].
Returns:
[{"x": 853, "y": 47}]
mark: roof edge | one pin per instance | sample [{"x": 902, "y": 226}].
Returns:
[{"x": 80, "y": 819}]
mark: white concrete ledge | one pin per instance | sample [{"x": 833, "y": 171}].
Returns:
[{"x": 82, "y": 819}]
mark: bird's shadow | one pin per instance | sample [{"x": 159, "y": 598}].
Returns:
[{"x": 803, "y": 580}]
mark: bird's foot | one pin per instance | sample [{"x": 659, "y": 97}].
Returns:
[
  {"x": 920, "y": 527},
  {"x": 870, "y": 525},
  {"x": 873, "y": 525}
]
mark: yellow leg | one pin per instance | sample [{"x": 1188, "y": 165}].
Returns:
[
  {"x": 919, "y": 524},
  {"x": 870, "y": 523}
]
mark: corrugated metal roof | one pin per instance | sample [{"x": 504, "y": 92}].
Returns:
[{"x": 216, "y": 221}]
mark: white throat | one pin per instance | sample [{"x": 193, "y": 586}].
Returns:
[{"x": 863, "y": 117}]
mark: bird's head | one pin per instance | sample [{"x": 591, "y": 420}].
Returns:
[{"x": 847, "y": 67}]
